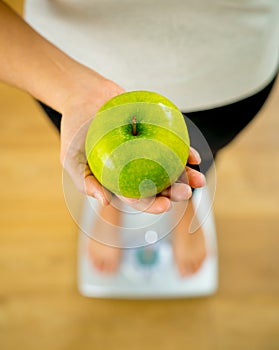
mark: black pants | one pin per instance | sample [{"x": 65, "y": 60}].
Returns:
[{"x": 210, "y": 130}]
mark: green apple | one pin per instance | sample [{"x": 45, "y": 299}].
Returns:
[{"x": 137, "y": 144}]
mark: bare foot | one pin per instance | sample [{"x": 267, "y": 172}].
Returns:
[
  {"x": 189, "y": 250},
  {"x": 103, "y": 251}
]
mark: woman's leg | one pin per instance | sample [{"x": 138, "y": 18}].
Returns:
[
  {"x": 210, "y": 131},
  {"x": 103, "y": 249}
]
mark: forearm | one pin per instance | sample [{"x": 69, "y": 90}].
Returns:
[{"x": 30, "y": 62}]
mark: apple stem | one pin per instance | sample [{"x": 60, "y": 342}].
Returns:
[{"x": 134, "y": 125}]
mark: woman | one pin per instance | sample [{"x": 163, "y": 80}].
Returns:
[{"x": 216, "y": 61}]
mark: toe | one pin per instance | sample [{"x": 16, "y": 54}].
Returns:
[
  {"x": 196, "y": 266},
  {"x": 183, "y": 268}
]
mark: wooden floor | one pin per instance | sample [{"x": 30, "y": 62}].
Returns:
[{"x": 40, "y": 307}]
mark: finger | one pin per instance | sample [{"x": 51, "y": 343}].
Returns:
[
  {"x": 194, "y": 156},
  {"x": 93, "y": 188},
  {"x": 193, "y": 178},
  {"x": 178, "y": 192},
  {"x": 85, "y": 182},
  {"x": 152, "y": 205}
]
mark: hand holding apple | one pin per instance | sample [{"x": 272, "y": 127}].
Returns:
[
  {"x": 137, "y": 145},
  {"x": 85, "y": 99}
]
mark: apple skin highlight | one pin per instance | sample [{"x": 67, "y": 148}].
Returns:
[{"x": 137, "y": 144}]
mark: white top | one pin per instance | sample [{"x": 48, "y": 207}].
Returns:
[{"x": 198, "y": 53}]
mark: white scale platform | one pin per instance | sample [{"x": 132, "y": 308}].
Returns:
[{"x": 148, "y": 270}]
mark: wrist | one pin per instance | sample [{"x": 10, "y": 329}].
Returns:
[{"x": 87, "y": 88}]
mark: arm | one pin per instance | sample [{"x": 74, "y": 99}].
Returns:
[{"x": 30, "y": 62}]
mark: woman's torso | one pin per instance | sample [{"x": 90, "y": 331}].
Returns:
[{"x": 198, "y": 53}]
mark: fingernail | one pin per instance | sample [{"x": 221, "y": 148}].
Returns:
[
  {"x": 99, "y": 198},
  {"x": 189, "y": 191},
  {"x": 128, "y": 200},
  {"x": 197, "y": 155}
]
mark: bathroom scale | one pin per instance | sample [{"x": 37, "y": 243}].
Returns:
[{"x": 147, "y": 268}]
